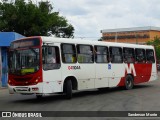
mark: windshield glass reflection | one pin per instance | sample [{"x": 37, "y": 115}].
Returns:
[{"x": 23, "y": 62}]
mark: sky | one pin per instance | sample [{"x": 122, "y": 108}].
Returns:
[{"x": 89, "y": 17}]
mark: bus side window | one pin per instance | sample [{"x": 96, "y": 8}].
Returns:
[
  {"x": 101, "y": 54},
  {"x": 140, "y": 55},
  {"x": 50, "y": 57},
  {"x": 129, "y": 56},
  {"x": 85, "y": 54},
  {"x": 150, "y": 56},
  {"x": 116, "y": 55},
  {"x": 68, "y": 53}
]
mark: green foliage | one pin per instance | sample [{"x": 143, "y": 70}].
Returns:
[
  {"x": 156, "y": 44},
  {"x": 30, "y": 19}
]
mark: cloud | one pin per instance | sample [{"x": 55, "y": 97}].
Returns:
[{"x": 90, "y": 16}]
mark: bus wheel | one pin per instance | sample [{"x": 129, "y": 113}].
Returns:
[
  {"x": 39, "y": 96},
  {"x": 129, "y": 82},
  {"x": 68, "y": 89}
]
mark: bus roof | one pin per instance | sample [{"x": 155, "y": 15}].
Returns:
[
  {"x": 49, "y": 39},
  {"x": 91, "y": 42}
]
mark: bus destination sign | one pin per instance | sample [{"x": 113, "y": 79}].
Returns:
[{"x": 25, "y": 43}]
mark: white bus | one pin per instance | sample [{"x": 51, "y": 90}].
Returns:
[{"x": 43, "y": 65}]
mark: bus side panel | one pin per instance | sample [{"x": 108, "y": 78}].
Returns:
[
  {"x": 140, "y": 69},
  {"x": 154, "y": 75},
  {"x": 143, "y": 73},
  {"x": 52, "y": 81},
  {"x": 115, "y": 73},
  {"x": 102, "y": 75},
  {"x": 149, "y": 71},
  {"x": 85, "y": 74}
]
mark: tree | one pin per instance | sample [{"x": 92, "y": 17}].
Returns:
[
  {"x": 30, "y": 19},
  {"x": 156, "y": 44}
]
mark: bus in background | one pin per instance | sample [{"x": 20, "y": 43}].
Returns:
[{"x": 44, "y": 65}]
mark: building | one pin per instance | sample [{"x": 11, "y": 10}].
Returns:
[
  {"x": 5, "y": 40},
  {"x": 135, "y": 35}
]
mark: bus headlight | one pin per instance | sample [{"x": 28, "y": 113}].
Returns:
[
  {"x": 9, "y": 81},
  {"x": 36, "y": 80}
]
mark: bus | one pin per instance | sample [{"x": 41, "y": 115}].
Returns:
[{"x": 45, "y": 65}]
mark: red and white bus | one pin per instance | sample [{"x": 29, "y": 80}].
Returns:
[{"x": 45, "y": 65}]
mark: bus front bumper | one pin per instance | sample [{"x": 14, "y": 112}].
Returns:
[{"x": 33, "y": 89}]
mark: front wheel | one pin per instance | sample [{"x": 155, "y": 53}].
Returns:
[
  {"x": 68, "y": 89},
  {"x": 129, "y": 82}
]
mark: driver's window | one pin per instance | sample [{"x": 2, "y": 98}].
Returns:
[{"x": 51, "y": 58}]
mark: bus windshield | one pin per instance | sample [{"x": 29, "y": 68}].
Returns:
[{"x": 24, "y": 61}]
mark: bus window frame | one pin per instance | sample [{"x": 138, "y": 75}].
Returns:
[
  {"x": 93, "y": 55},
  {"x": 110, "y": 58},
  {"x": 56, "y": 58},
  {"x": 144, "y": 60},
  {"x": 134, "y": 57},
  {"x": 153, "y": 57},
  {"x": 62, "y": 59}
]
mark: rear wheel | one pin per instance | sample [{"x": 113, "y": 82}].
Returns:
[
  {"x": 129, "y": 82},
  {"x": 68, "y": 89}
]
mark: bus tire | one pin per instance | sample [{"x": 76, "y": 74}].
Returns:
[
  {"x": 129, "y": 82},
  {"x": 68, "y": 89}
]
